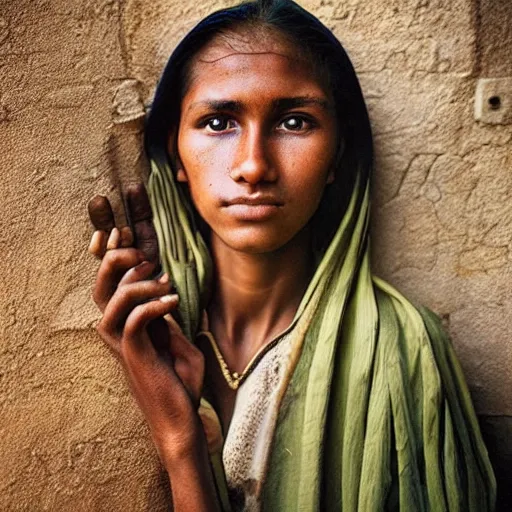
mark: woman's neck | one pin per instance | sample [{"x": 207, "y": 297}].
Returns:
[{"x": 256, "y": 296}]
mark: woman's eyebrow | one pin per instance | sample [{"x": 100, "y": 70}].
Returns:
[
  {"x": 277, "y": 104},
  {"x": 218, "y": 105},
  {"x": 300, "y": 101}
]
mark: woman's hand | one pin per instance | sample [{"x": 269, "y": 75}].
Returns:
[
  {"x": 165, "y": 371},
  {"x": 138, "y": 213}
]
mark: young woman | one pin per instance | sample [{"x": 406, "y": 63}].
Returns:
[{"x": 320, "y": 385}]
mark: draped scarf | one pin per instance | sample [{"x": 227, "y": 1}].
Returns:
[{"x": 374, "y": 412}]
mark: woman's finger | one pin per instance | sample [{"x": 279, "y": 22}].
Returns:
[
  {"x": 98, "y": 244},
  {"x": 113, "y": 266},
  {"x": 141, "y": 217},
  {"x": 126, "y": 236},
  {"x": 133, "y": 343},
  {"x": 114, "y": 239},
  {"x": 188, "y": 360},
  {"x": 142, "y": 271},
  {"x": 127, "y": 297},
  {"x": 101, "y": 214}
]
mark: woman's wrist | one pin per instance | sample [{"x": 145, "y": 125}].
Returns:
[
  {"x": 191, "y": 456},
  {"x": 190, "y": 476},
  {"x": 173, "y": 458},
  {"x": 176, "y": 450}
]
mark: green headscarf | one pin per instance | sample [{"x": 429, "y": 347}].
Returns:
[{"x": 375, "y": 413}]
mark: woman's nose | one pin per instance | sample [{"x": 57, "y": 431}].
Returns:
[{"x": 253, "y": 162}]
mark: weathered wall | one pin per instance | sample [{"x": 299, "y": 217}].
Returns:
[{"x": 71, "y": 437}]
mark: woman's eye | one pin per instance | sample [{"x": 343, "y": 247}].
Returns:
[
  {"x": 219, "y": 124},
  {"x": 295, "y": 124}
]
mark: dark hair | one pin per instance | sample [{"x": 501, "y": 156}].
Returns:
[{"x": 355, "y": 153}]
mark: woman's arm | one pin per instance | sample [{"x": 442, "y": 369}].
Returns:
[
  {"x": 191, "y": 480},
  {"x": 164, "y": 370}
]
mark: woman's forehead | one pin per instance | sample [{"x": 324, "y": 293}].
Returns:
[
  {"x": 246, "y": 41},
  {"x": 255, "y": 80},
  {"x": 232, "y": 54}
]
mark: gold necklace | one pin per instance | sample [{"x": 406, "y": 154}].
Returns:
[{"x": 235, "y": 379}]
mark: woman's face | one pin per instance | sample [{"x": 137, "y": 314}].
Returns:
[{"x": 256, "y": 142}]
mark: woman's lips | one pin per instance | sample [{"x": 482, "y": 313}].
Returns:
[
  {"x": 253, "y": 208},
  {"x": 253, "y": 212}
]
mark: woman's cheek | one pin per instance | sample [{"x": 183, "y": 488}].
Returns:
[{"x": 211, "y": 156}]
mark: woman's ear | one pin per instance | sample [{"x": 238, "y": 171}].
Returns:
[
  {"x": 337, "y": 163},
  {"x": 181, "y": 175}
]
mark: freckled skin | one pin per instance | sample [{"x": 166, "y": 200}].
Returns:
[{"x": 260, "y": 151}]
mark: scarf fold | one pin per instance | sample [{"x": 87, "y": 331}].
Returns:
[
  {"x": 375, "y": 414},
  {"x": 183, "y": 252}
]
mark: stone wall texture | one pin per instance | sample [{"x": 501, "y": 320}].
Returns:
[{"x": 74, "y": 75}]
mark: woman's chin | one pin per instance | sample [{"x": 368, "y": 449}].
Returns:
[
  {"x": 256, "y": 241},
  {"x": 254, "y": 246}
]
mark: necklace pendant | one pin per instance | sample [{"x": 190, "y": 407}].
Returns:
[
  {"x": 234, "y": 384},
  {"x": 232, "y": 379}
]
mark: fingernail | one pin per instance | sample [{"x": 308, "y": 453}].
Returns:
[
  {"x": 114, "y": 239},
  {"x": 126, "y": 236},
  {"x": 164, "y": 279},
  {"x": 96, "y": 243},
  {"x": 169, "y": 298}
]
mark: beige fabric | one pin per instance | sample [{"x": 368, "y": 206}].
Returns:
[{"x": 246, "y": 444}]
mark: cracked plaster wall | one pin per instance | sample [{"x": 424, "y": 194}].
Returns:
[{"x": 71, "y": 437}]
